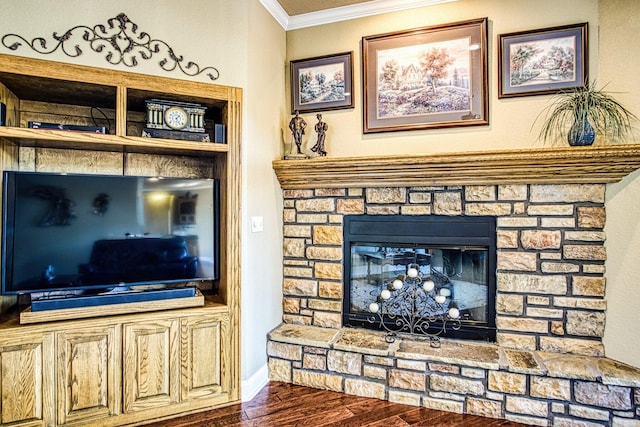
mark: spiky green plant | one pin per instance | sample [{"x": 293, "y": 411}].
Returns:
[{"x": 607, "y": 116}]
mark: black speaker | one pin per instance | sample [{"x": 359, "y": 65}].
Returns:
[
  {"x": 3, "y": 114},
  {"x": 219, "y": 133}
]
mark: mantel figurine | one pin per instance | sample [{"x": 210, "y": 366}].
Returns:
[
  {"x": 297, "y": 126},
  {"x": 321, "y": 128}
]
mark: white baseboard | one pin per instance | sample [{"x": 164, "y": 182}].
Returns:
[{"x": 253, "y": 385}]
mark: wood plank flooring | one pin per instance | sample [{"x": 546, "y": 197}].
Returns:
[{"x": 286, "y": 405}]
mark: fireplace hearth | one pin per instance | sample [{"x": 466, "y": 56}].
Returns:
[{"x": 453, "y": 258}]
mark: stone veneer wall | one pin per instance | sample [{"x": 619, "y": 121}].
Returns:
[{"x": 550, "y": 257}]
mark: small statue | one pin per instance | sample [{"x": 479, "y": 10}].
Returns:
[
  {"x": 297, "y": 126},
  {"x": 321, "y": 128}
]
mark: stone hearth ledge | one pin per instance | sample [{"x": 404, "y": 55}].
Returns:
[{"x": 467, "y": 354}]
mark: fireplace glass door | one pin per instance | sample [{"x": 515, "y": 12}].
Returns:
[{"x": 462, "y": 273}]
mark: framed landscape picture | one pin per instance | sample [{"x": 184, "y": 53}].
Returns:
[
  {"x": 542, "y": 61},
  {"x": 424, "y": 78},
  {"x": 322, "y": 83}
]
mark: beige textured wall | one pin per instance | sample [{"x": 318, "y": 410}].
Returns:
[
  {"x": 511, "y": 120},
  {"x": 619, "y": 64},
  {"x": 203, "y": 31},
  {"x": 261, "y": 252}
]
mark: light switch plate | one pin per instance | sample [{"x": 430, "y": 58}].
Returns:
[{"x": 257, "y": 224}]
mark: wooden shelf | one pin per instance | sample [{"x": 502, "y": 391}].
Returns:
[
  {"x": 95, "y": 141},
  {"x": 602, "y": 164}
]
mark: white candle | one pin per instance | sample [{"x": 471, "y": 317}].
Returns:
[
  {"x": 454, "y": 313},
  {"x": 397, "y": 284},
  {"x": 428, "y": 285},
  {"x": 412, "y": 272},
  {"x": 440, "y": 299},
  {"x": 385, "y": 294},
  {"x": 374, "y": 307}
]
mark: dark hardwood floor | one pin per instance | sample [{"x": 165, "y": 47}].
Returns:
[{"x": 282, "y": 405}]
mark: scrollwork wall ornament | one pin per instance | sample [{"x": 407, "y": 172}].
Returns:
[{"x": 119, "y": 40}]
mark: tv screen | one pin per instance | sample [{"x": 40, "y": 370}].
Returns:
[{"x": 64, "y": 232}]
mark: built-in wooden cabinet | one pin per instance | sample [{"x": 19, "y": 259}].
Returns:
[
  {"x": 120, "y": 369},
  {"x": 117, "y": 369},
  {"x": 27, "y": 379},
  {"x": 151, "y": 365},
  {"x": 87, "y": 366},
  {"x": 203, "y": 375}
]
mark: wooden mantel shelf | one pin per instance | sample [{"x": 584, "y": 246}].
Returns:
[{"x": 600, "y": 164}]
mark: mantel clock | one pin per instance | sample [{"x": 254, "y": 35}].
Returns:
[{"x": 175, "y": 120}]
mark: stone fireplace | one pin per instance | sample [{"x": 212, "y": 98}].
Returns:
[
  {"x": 550, "y": 255},
  {"x": 547, "y": 366}
]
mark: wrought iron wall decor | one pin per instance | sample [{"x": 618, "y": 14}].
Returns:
[{"x": 120, "y": 41}]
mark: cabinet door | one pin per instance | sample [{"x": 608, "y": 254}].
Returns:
[
  {"x": 27, "y": 381},
  {"x": 203, "y": 353},
  {"x": 88, "y": 362},
  {"x": 151, "y": 376}
]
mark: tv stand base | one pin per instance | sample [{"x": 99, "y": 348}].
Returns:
[{"x": 108, "y": 305}]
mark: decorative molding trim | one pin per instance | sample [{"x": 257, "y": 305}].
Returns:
[
  {"x": 119, "y": 40},
  {"x": 274, "y": 8},
  {"x": 343, "y": 13},
  {"x": 360, "y": 10},
  {"x": 251, "y": 387}
]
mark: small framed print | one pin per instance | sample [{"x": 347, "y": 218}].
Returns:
[
  {"x": 543, "y": 61},
  {"x": 322, "y": 83}
]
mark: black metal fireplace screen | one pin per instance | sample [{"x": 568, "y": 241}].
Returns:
[{"x": 456, "y": 255}]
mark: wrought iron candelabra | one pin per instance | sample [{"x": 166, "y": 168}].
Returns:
[{"x": 415, "y": 305}]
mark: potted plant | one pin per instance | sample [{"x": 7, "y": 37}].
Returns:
[{"x": 581, "y": 113}]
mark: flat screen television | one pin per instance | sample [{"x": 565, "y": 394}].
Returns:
[{"x": 79, "y": 233}]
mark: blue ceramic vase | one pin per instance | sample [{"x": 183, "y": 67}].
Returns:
[{"x": 581, "y": 133}]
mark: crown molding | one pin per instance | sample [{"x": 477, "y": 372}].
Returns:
[
  {"x": 375, "y": 7},
  {"x": 274, "y": 8}
]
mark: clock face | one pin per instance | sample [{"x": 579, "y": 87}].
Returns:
[{"x": 176, "y": 118}]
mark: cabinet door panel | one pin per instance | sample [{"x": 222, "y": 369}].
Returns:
[
  {"x": 203, "y": 341},
  {"x": 150, "y": 368},
  {"x": 26, "y": 384},
  {"x": 86, "y": 374}
]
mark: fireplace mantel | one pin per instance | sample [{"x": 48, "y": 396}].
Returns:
[{"x": 593, "y": 165}]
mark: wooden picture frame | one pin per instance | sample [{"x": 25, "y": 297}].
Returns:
[
  {"x": 543, "y": 61},
  {"x": 431, "y": 77},
  {"x": 322, "y": 83}
]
